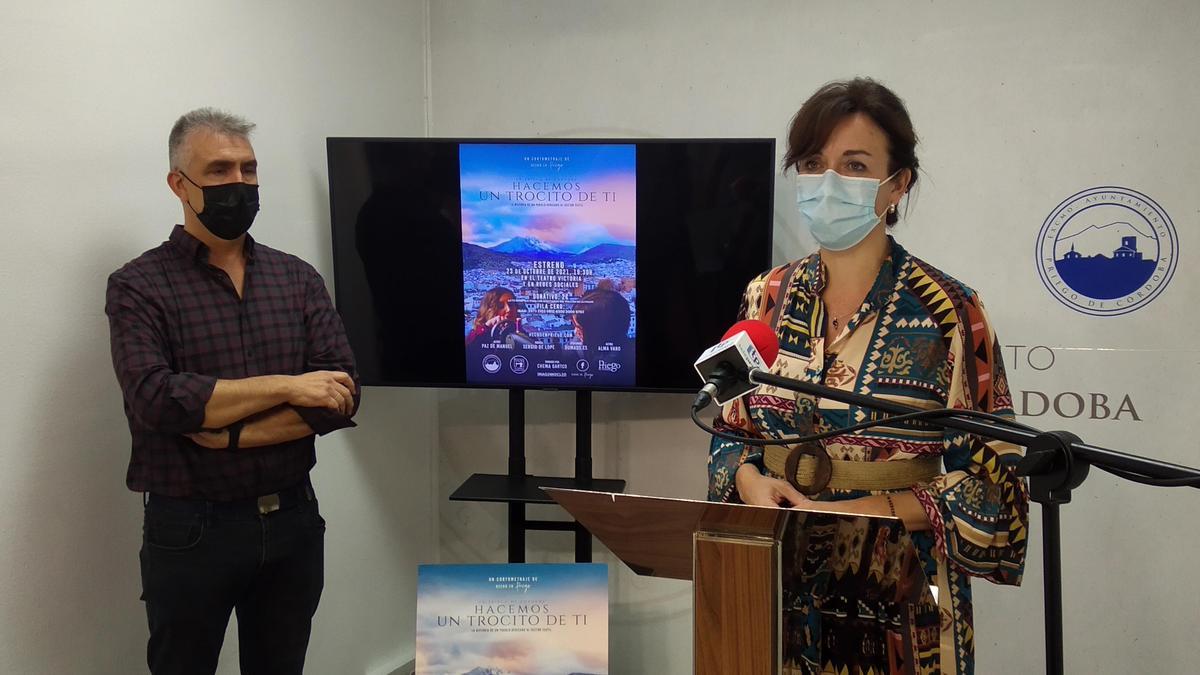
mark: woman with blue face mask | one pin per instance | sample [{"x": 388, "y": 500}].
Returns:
[{"x": 862, "y": 314}]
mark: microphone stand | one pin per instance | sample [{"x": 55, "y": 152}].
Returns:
[{"x": 1056, "y": 462}]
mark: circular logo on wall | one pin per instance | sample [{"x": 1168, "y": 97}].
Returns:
[{"x": 1107, "y": 251}]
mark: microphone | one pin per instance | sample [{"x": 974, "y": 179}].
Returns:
[{"x": 725, "y": 367}]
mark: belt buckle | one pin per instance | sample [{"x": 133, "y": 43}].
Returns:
[
  {"x": 821, "y": 473},
  {"x": 268, "y": 503}
]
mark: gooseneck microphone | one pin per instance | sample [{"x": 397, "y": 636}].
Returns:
[{"x": 725, "y": 367}]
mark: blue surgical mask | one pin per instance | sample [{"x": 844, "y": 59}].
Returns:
[{"x": 839, "y": 211}]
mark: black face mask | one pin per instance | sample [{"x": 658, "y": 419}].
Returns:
[{"x": 229, "y": 209}]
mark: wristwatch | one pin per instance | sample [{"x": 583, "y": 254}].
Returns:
[{"x": 235, "y": 434}]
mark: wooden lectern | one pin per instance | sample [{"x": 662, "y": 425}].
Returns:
[{"x": 733, "y": 555}]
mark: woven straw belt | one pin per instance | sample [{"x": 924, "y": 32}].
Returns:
[{"x": 810, "y": 470}]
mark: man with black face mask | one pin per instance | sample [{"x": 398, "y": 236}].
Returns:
[{"x": 231, "y": 359}]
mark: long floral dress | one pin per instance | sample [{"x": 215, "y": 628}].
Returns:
[{"x": 923, "y": 339}]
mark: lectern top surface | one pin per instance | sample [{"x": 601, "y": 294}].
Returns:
[{"x": 654, "y": 535}]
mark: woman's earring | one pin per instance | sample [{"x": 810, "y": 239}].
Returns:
[{"x": 892, "y": 209}]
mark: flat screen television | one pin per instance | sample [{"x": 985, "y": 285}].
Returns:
[{"x": 544, "y": 264}]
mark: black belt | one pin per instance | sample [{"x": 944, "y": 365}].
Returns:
[{"x": 284, "y": 499}]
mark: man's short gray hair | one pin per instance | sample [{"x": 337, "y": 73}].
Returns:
[{"x": 211, "y": 119}]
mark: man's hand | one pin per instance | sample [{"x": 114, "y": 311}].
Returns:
[
  {"x": 330, "y": 389},
  {"x": 213, "y": 440},
  {"x": 759, "y": 490}
]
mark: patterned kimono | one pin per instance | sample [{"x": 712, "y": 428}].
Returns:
[{"x": 922, "y": 339}]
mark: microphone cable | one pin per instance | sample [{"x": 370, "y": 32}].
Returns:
[
  {"x": 932, "y": 415},
  {"x": 890, "y": 419}
]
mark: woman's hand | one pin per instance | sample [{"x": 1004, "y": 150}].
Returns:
[{"x": 759, "y": 490}]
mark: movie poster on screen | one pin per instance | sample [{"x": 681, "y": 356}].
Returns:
[
  {"x": 512, "y": 619},
  {"x": 549, "y": 263}
]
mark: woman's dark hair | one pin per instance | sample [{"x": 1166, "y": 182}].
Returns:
[
  {"x": 603, "y": 315},
  {"x": 824, "y": 110}
]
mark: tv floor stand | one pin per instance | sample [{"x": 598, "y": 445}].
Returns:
[{"x": 517, "y": 488}]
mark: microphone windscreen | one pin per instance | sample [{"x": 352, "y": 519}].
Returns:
[{"x": 764, "y": 339}]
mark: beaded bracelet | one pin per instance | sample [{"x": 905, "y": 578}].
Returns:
[{"x": 891, "y": 506}]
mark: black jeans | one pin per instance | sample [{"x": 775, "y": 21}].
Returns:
[{"x": 202, "y": 560}]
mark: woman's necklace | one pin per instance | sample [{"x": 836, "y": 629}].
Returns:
[{"x": 836, "y": 321}]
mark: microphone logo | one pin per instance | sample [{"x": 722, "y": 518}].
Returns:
[{"x": 726, "y": 367}]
